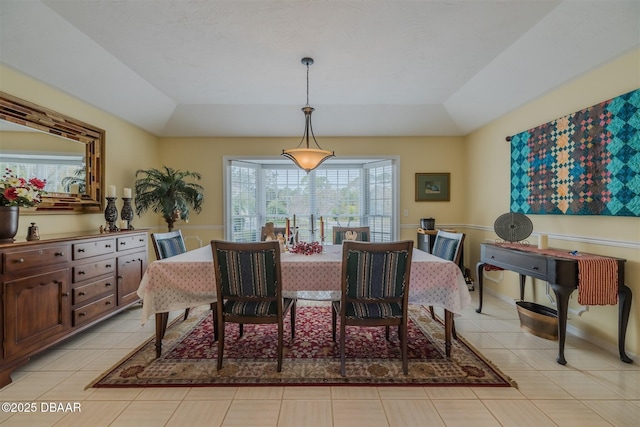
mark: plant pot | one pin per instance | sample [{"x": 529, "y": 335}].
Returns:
[
  {"x": 9, "y": 216},
  {"x": 538, "y": 319}
]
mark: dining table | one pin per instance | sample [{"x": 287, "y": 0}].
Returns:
[{"x": 188, "y": 280}]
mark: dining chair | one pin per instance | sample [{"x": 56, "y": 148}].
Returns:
[
  {"x": 249, "y": 288},
  {"x": 375, "y": 290},
  {"x": 341, "y": 234},
  {"x": 167, "y": 245},
  {"x": 447, "y": 245}
]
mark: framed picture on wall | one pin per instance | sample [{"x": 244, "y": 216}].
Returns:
[{"x": 433, "y": 187}]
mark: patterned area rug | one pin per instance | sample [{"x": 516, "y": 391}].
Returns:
[{"x": 189, "y": 356}]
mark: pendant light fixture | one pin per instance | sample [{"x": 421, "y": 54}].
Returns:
[{"x": 308, "y": 158}]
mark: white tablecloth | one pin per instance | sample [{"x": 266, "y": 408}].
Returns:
[{"x": 187, "y": 280}]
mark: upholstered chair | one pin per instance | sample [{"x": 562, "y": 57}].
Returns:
[
  {"x": 249, "y": 288},
  {"x": 375, "y": 290}
]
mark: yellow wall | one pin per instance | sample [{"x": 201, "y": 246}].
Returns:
[
  {"x": 488, "y": 191},
  {"x": 417, "y": 154},
  {"x": 128, "y": 148}
]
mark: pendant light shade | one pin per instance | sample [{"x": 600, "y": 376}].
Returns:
[{"x": 306, "y": 157}]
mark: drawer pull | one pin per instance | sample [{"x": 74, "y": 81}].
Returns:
[
  {"x": 80, "y": 273},
  {"x": 123, "y": 243},
  {"x": 81, "y": 294},
  {"x": 108, "y": 285},
  {"x": 107, "y": 246},
  {"x": 82, "y": 314},
  {"x": 59, "y": 254},
  {"x": 107, "y": 303},
  {"x": 141, "y": 240},
  {"x": 80, "y": 250},
  {"x": 65, "y": 294},
  {"x": 19, "y": 261},
  {"x": 535, "y": 268},
  {"x": 107, "y": 266},
  {"x": 493, "y": 257}
]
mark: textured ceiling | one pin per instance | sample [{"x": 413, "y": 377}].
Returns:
[{"x": 232, "y": 68}]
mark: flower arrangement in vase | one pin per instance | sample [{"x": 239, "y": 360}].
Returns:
[{"x": 15, "y": 191}]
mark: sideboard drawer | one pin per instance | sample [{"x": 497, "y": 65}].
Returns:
[
  {"x": 91, "y": 270},
  {"x": 130, "y": 242},
  {"x": 95, "y": 248},
  {"x": 33, "y": 258},
  {"x": 534, "y": 265},
  {"x": 94, "y": 310},
  {"x": 86, "y": 292}
]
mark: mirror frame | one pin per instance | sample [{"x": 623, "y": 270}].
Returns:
[{"x": 25, "y": 113}]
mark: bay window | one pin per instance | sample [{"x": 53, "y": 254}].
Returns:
[{"x": 343, "y": 192}]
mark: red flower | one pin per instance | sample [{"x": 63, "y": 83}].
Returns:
[
  {"x": 38, "y": 183},
  {"x": 11, "y": 193}
]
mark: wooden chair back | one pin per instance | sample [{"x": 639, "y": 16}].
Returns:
[
  {"x": 168, "y": 244},
  {"x": 341, "y": 234},
  {"x": 448, "y": 245}
]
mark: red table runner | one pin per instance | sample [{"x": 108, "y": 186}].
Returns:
[{"x": 597, "y": 275}]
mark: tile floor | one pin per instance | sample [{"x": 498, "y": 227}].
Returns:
[{"x": 593, "y": 389}]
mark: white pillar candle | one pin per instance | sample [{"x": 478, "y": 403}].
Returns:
[
  {"x": 126, "y": 193},
  {"x": 543, "y": 241},
  {"x": 74, "y": 188},
  {"x": 111, "y": 192}
]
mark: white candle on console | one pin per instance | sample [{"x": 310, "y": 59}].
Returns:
[
  {"x": 126, "y": 193},
  {"x": 543, "y": 241},
  {"x": 111, "y": 192}
]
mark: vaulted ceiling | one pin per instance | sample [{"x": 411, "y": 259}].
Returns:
[{"x": 382, "y": 68}]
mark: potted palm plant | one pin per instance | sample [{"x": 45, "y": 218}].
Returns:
[{"x": 166, "y": 191}]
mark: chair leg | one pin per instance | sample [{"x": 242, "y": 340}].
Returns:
[
  {"x": 186, "y": 314},
  {"x": 241, "y": 330},
  {"x": 220, "y": 339},
  {"x": 386, "y": 332},
  {"x": 403, "y": 347},
  {"x": 433, "y": 313},
  {"x": 214, "y": 309},
  {"x": 280, "y": 343},
  {"x": 342, "y": 345}
]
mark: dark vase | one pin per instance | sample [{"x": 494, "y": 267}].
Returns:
[{"x": 9, "y": 216}]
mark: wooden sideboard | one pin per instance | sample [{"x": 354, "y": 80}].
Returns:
[{"x": 56, "y": 287}]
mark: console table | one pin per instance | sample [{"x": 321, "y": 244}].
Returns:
[{"x": 562, "y": 275}]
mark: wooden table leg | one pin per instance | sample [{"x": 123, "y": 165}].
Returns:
[
  {"x": 480, "y": 270},
  {"x": 448, "y": 328},
  {"x": 562, "y": 304},
  {"x": 161, "y": 327},
  {"x": 624, "y": 308}
]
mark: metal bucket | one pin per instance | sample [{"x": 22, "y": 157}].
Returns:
[{"x": 538, "y": 319}]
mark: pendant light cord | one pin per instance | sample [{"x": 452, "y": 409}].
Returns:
[{"x": 307, "y": 84}]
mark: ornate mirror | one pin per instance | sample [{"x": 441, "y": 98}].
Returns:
[{"x": 72, "y": 150}]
